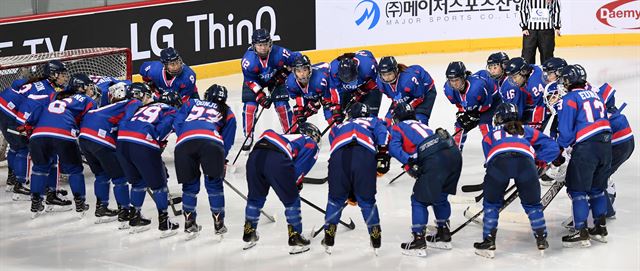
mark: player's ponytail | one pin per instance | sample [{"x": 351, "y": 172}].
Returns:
[
  {"x": 224, "y": 110},
  {"x": 402, "y": 67},
  {"x": 514, "y": 127}
]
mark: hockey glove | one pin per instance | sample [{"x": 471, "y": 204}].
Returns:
[
  {"x": 299, "y": 185},
  {"x": 365, "y": 89},
  {"x": 560, "y": 159},
  {"x": 337, "y": 116},
  {"x": 25, "y": 130},
  {"x": 412, "y": 168},
  {"x": 541, "y": 166},
  {"x": 299, "y": 115},
  {"x": 263, "y": 99},
  {"x": 384, "y": 160},
  {"x": 468, "y": 120},
  {"x": 312, "y": 108}
]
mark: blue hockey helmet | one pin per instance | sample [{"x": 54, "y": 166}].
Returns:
[
  {"x": 300, "y": 64},
  {"x": 456, "y": 69},
  {"x": 347, "y": 70},
  {"x": 500, "y": 58},
  {"x": 505, "y": 112},
  {"x": 573, "y": 77},
  {"x": 171, "y": 98},
  {"x": 518, "y": 65},
  {"x": 582, "y": 72},
  {"x": 79, "y": 82},
  {"x": 216, "y": 93},
  {"x": 359, "y": 110},
  {"x": 138, "y": 91},
  {"x": 169, "y": 54},
  {"x": 554, "y": 64},
  {"x": 310, "y": 130},
  {"x": 403, "y": 111},
  {"x": 260, "y": 36},
  {"x": 56, "y": 72},
  {"x": 388, "y": 64}
]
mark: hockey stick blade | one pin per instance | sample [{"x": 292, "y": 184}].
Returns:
[
  {"x": 472, "y": 188},
  {"x": 307, "y": 180}
]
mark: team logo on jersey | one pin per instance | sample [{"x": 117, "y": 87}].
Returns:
[
  {"x": 620, "y": 14},
  {"x": 364, "y": 12}
]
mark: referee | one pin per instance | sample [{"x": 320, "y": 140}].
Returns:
[{"x": 539, "y": 19}]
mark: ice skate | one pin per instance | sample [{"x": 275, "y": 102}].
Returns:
[
  {"x": 440, "y": 240},
  {"x": 218, "y": 225},
  {"x": 376, "y": 238},
  {"x": 541, "y": 241},
  {"x": 37, "y": 208},
  {"x": 81, "y": 206},
  {"x": 579, "y": 238},
  {"x": 599, "y": 231},
  {"x": 297, "y": 243},
  {"x": 329, "y": 238},
  {"x": 11, "y": 180},
  {"x": 20, "y": 192},
  {"x": 191, "y": 228},
  {"x": 249, "y": 236},
  {"x": 166, "y": 227},
  {"x": 57, "y": 204},
  {"x": 416, "y": 247},
  {"x": 487, "y": 247},
  {"x": 104, "y": 214},
  {"x": 124, "y": 215},
  {"x": 138, "y": 223}
]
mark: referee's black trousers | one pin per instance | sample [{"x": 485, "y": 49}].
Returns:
[{"x": 543, "y": 40}]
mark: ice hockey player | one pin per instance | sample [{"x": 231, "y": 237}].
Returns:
[
  {"x": 55, "y": 76},
  {"x": 280, "y": 161},
  {"x": 170, "y": 74},
  {"x": 525, "y": 88},
  {"x": 406, "y": 84},
  {"x": 56, "y": 128},
  {"x": 357, "y": 145},
  {"x": 434, "y": 160},
  {"x": 474, "y": 97},
  {"x": 353, "y": 77},
  {"x": 512, "y": 151},
  {"x": 553, "y": 92},
  {"x": 583, "y": 127},
  {"x": 141, "y": 139},
  {"x": 98, "y": 133},
  {"x": 206, "y": 131},
  {"x": 265, "y": 68},
  {"x": 308, "y": 86}
]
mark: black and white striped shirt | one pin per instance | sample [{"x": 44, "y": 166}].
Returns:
[{"x": 540, "y": 14}]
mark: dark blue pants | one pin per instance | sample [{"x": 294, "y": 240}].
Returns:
[
  {"x": 500, "y": 170},
  {"x": 42, "y": 150},
  {"x": 272, "y": 168},
  {"x": 587, "y": 175},
  {"x": 143, "y": 168},
  {"x": 620, "y": 153},
  {"x": 352, "y": 169},
  {"x": 104, "y": 164},
  {"x": 18, "y": 148}
]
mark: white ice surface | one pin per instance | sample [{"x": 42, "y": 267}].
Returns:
[{"x": 59, "y": 241}]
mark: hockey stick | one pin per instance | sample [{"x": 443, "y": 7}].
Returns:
[
  {"x": 551, "y": 194},
  {"x": 350, "y": 225},
  {"x": 351, "y": 102},
  {"x": 472, "y": 188},
  {"x": 271, "y": 218},
  {"x": 508, "y": 201},
  {"x": 172, "y": 203},
  {"x": 308, "y": 180},
  {"x": 248, "y": 135}
]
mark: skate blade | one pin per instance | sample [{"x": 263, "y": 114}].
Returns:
[
  {"x": 579, "y": 244},
  {"x": 168, "y": 233},
  {"x": 191, "y": 235},
  {"x": 105, "y": 219},
  {"x": 542, "y": 253},
  {"x": 249, "y": 245},
  {"x": 440, "y": 245},
  {"x": 298, "y": 250},
  {"x": 124, "y": 225},
  {"x": 490, "y": 254},
  {"x": 20, "y": 197},
  {"x": 599, "y": 238},
  {"x": 36, "y": 214},
  {"x": 328, "y": 250},
  {"x": 139, "y": 229},
  {"x": 8, "y": 188},
  {"x": 58, "y": 208},
  {"x": 421, "y": 252},
  {"x": 375, "y": 252}
]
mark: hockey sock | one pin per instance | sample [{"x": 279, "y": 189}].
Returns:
[
  {"x": 101, "y": 188},
  {"x": 76, "y": 180},
  {"x": 490, "y": 218},
  {"x": 190, "y": 195},
  {"x": 580, "y": 207},
  {"x": 292, "y": 213},
  {"x": 39, "y": 176},
  {"x": 536, "y": 217},
  {"x": 138, "y": 193},
  {"x": 11, "y": 156},
  {"x": 285, "y": 115},
  {"x": 121, "y": 192},
  {"x": 419, "y": 215},
  {"x": 248, "y": 116},
  {"x": 369, "y": 211},
  {"x": 161, "y": 198},
  {"x": 54, "y": 174},
  {"x": 442, "y": 210},
  {"x": 19, "y": 164},
  {"x": 598, "y": 202},
  {"x": 215, "y": 191},
  {"x": 252, "y": 211},
  {"x": 334, "y": 210}
]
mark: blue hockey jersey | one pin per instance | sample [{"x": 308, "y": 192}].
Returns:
[
  {"x": 300, "y": 148},
  {"x": 150, "y": 125},
  {"x": 410, "y": 87},
  {"x": 257, "y": 72},
  {"x": 533, "y": 143},
  {"x": 101, "y": 125},
  {"x": 406, "y": 136},
  {"x": 61, "y": 118},
  {"x": 199, "y": 119},
  {"x": 316, "y": 89},
  {"x": 620, "y": 127},
  {"x": 581, "y": 115},
  {"x": 367, "y": 72},
  {"x": 184, "y": 84},
  {"x": 367, "y": 132},
  {"x": 38, "y": 95},
  {"x": 478, "y": 96}
]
